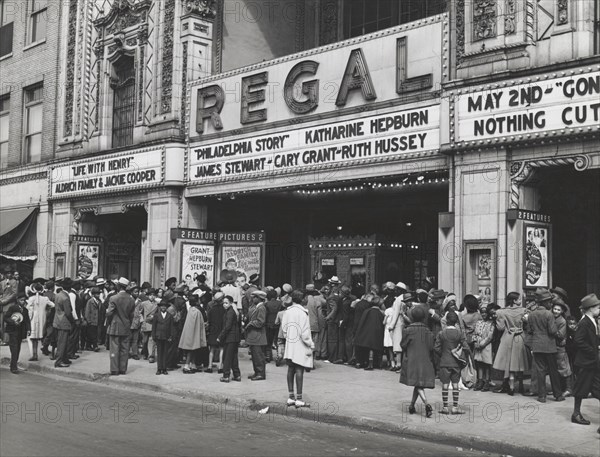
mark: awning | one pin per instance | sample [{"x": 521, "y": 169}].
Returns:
[{"x": 18, "y": 233}]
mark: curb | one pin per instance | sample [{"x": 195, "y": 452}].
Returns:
[{"x": 215, "y": 401}]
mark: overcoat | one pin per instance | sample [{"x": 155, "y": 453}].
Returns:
[
  {"x": 296, "y": 331},
  {"x": 256, "y": 334},
  {"x": 512, "y": 353},
  {"x": 193, "y": 334},
  {"x": 417, "y": 352},
  {"x": 121, "y": 307},
  {"x": 369, "y": 333}
]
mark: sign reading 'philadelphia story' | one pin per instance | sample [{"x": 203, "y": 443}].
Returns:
[
  {"x": 383, "y": 69},
  {"x": 541, "y": 106},
  {"x": 112, "y": 173}
]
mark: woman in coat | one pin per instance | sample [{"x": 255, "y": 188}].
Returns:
[
  {"x": 511, "y": 357},
  {"x": 229, "y": 338},
  {"x": 215, "y": 325},
  {"x": 369, "y": 335},
  {"x": 299, "y": 347},
  {"x": 417, "y": 366},
  {"x": 37, "y": 306},
  {"x": 193, "y": 334},
  {"x": 395, "y": 327}
]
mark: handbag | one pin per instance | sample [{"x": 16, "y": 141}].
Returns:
[{"x": 459, "y": 355}]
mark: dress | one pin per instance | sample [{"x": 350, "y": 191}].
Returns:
[
  {"x": 512, "y": 353},
  {"x": 387, "y": 335},
  {"x": 37, "y": 306},
  {"x": 482, "y": 336},
  {"x": 417, "y": 350},
  {"x": 397, "y": 324}
]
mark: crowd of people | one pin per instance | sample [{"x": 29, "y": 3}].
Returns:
[{"x": 423, "y": 334}]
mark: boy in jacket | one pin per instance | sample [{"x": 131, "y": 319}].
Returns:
[
  {"x": 447, "y": 340},
  {"x": 163, "y": 329}
]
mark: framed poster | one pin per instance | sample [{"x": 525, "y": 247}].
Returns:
[
  {"x": 197, "y": 259},
  {"x": 480, "y": 270},
  {"x": 88, "y": 260},
  {"x": 238, "y": 260},
  {"x": 537, "y": 255}
]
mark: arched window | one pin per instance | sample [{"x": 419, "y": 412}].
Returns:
[{"x": 123, "y": 85}]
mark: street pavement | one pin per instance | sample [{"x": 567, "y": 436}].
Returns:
[
  {"x": 75, "y": 418},
  {"x": 368, "y": 400}
]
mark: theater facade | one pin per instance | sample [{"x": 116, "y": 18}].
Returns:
[{"x": 456, "y": 148}]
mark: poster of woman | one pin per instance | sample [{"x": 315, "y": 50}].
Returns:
[
  {"x": 536, "y": 260},
  {"x": 237, "y": 259},
  {"x": 87, "y": 260}
]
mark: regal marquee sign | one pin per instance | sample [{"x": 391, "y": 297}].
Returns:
[{"x": 323, "y": 90}]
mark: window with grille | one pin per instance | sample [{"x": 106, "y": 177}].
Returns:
[
  {"x": 33, "y": 118},
  {"x": 123, "y": 86},
  {"x": 4, "y": 120},
  {"x": 367, "y": 16},
  {"x": 38, "y": 19},
  {"x": 7, "y": 17}
]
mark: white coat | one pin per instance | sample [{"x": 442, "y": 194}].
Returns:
[{"x": 299, "y": 345}]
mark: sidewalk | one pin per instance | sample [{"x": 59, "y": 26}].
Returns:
[{"x": 343, "y": 395}]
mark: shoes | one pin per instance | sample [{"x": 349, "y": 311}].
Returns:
[
  {"x": 45, "y": 351},
  {"x": 291, "y": 402},
  {"x": 188, "y": 371},
  {"x": 75, "y": 357},
  {"x": 369, "y": 368},
  {"x": 541, "y": 400},
  {"x": 208, "y": 370},
  {"x": 135, "y": 357},
  {"x": 237, "y": 379},
  {"x": 223, "y": 379},
  {"x": 165, "y": 371},
  {"x": 158, "y": 372},
  {"x": 96, "y": 349},
  {"x": 485, "y": 387},
  {"x": 567, "y": 393},
  {"x": 579, "y": 419},
  {"x": 14, "y": 371},
  {"x": 352, "y": 362},
  {"x": 455, "y": 410},
  {"x": 33, "y": 359},
  {"x": 428, "y": 410},
  {"x": 61, "y": 365},
  {"x": 301, "y": 404},
  {"x": 411, "y": 409},
  {"x": 258, "y": 378},
  {"x": 220, "y": 371},
  {"x": 502, "y": 389},
  {"x": 511, "y": 392},
  {"x": 250, "y": 376},
  {"x": 338, "y": 362},
  {"x": 561, "y": 398},
  {"x": 114, "y": 373},
  {"x": 445, "y": 410},
  {"x": 52, "y": 358},
  {"x": 478, "y": 385},
  {"x": 151, "y": 360},
  {"x": 530, "y": 394}
]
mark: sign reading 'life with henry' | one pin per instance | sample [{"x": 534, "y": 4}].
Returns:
[
  {"x": 370, "y": 137},
  {"x": 107, "y": 174},
  {"x": 552, "y": 104}
]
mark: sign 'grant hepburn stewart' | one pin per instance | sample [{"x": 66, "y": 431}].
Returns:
[{"x": 327, "y": 91}]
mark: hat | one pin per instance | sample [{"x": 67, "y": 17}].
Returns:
[
  {"x": 123, "y": 281},
  {"x": 562, "y": 293},
  {"x": 401, "y": 285},
  {"x": 180, "y": 288},
  {"x": 437, "y": 294},
  {"x": 253, "y": 278},
  {"x": 89, "y": 284},
  {"x": 409, "y": 296},
  {"x": 449, "y": 298},
  {"x": 389, "y": 285},
  {"x": 287, "y": 288},
  {"x": 589, "y": 301},
  {"x": 542, "y": 295},
  {"x": 146, "y": 285},
  {"x": 334, "y": 280},
  {"x": 66, "y": 283},
  {"x": 310, "y": 288},
  {"x": 260, "y": 294}
]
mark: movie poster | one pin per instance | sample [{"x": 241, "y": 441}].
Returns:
[
  {"x": 87, "y": 260},
  {"x": 197, "y": 259},
  {"x": 536, "y": 256},
  {"x": 238, "y": 260}
]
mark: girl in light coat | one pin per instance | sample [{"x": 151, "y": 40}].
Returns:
[
  {"x": 299, "y": 347},
  {"x": 37, "y": 306}
]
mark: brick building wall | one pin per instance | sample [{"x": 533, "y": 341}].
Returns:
[{"x": 30, "y": 64}]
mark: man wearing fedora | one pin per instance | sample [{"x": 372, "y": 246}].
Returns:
[
  {"x": 121, "y": 307},
  {"x": 63, "y": 322},
  {"x": 587, "y": 357},
  {"x": 18, "y": 327},
  {"x": 256, "y": 335},
  {"x": 541, "y": 328}
]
